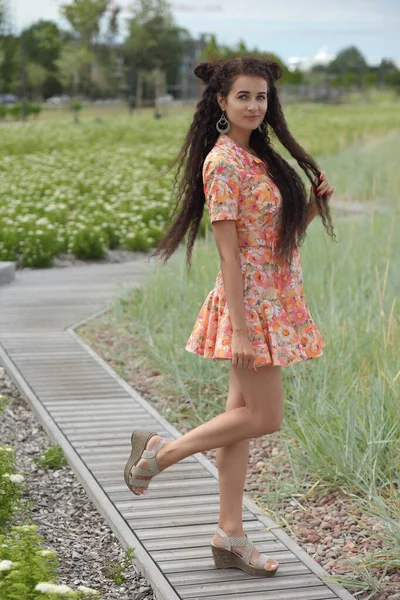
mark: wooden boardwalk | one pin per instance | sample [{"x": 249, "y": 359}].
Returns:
[{"x": 90, "y": 411}]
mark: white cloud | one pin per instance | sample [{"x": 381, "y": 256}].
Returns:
[{"x": 292, "y": 12}]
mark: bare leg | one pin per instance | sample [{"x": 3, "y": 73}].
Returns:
[
  {"x": 232, "y": 463},
  {"x": 262, "y": 414}
]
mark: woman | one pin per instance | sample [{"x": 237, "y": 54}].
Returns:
[{"x": 256, "y": 315}]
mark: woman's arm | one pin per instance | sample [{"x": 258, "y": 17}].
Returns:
[
  {"x": 312, "y": 211},
  {"x": 226, "y": 238}
]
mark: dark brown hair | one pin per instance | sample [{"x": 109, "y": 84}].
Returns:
[{"x": 200, "y": 139}]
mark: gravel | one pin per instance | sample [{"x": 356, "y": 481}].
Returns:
[{"x": 66, "y": 518}]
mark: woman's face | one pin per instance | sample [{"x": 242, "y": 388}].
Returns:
[{"x": 247, "y": 98}]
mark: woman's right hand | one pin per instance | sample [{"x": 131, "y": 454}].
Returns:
[{"x": 243, "y": 354}]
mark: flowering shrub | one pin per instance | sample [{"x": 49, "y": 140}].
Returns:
[
  {"x": 10, "y": 486},
  {"x": 27, "y": 570}
]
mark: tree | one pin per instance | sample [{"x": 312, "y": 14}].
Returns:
[
  {"x": 154, "y": 43},
  {"x": 74, "y": 66},
  {"x": 43, "y": 42},
  {"x": 36, "y": 76},
  {"x": 84, "y": 17},
  {"x": 349, "y": 59}
]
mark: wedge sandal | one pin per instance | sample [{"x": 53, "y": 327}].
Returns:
[
  {"x": 139, "y": 439},
  {"x": 225, "y": 558}
]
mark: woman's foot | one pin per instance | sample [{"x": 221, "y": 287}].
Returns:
[
  {"x": 270, "y": 564},
  {"x": 143, "y": 464}
]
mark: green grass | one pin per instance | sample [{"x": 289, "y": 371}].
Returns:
[
  {"x": 106, "y": 182},
  {"x": 348, "y": 398}
]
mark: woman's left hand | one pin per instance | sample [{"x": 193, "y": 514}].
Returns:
[{"x": 324, "y": 189}]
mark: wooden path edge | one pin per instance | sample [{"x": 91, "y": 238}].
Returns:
[{"x": 144, "y": 563}]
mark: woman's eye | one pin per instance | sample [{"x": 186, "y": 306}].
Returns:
[{"x": 260, "y": 97}]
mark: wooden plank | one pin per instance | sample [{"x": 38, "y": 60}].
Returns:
[
  {"x": 212, "y": 517},
  {"x": 119, "y": 452},
  {"x": 189, "y": 532},
  {"x": 191, "y": 487},
  {"x": 110, "y": 423},
  {"x": 161, "y": 492},
  {"x": 110, "y": 414},
  {"x": 319, "y": 592},
  {"x": 85, "y": 403},
  {"x": 185, "y": 469},
  {"x": 197, "y": 542},
  {"x": 256, "y": 584},
  {"x": 162, "y": 511},
  {"x": 111, "y": 433},
  {"x": 204, "y": 551},
  {"x": 167, "y": 474},
  {"x": 109, "y": 444},
  {"x": 89, "y": 395},
  {"x": 197, "y": 571}
]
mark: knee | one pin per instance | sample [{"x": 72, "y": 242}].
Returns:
[{"x": 267, "y": 426}]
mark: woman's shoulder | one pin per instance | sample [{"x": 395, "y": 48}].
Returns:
[{"x": 219, "y": 157}]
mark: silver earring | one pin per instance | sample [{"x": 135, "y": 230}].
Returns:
[
  {"x": 260, "y": 128},
  {"x": 223, "y": 124}
]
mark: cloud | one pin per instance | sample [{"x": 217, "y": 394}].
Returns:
[{"x": 308, "y": 11}]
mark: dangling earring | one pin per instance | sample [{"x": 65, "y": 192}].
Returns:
[{"x": 223, "y": 124}]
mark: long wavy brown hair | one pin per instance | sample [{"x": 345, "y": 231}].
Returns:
[{"x": 200, "y": 139}]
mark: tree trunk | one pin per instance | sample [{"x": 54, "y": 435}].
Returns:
[{"x": 139, "y": 89}]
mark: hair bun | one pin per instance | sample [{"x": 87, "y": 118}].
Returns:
[
  {"x": 275, "y": 69},
  {"x": 204, "y": 71}
]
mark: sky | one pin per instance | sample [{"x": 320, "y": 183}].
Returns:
[{"x": 289, "y": 28}]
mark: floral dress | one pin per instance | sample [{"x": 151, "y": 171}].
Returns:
[{"x": 279, "y": 323}]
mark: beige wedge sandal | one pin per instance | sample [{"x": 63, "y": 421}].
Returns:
[
  {"x": 225, "y": 558},
  {"x": 139, "y": 439}
]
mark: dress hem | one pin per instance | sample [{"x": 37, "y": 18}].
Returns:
[{"x": 268, "y": 363}]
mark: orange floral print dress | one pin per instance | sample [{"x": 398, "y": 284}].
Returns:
[{"x": 279, "y": 323}]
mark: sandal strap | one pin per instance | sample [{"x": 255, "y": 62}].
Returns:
[
  {"x": 144, "y": 483},
  {"x": 150, "y": 456},
  {"x": 234, "y": 540},
  {"x": 260, "y": 561}
]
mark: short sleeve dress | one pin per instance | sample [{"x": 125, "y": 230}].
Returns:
[{"x": 279, "y": 323}]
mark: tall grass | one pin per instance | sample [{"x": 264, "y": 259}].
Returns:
[{"x": 343, "y": 409}]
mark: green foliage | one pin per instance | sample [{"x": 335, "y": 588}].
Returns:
[
  {"x": 102, "y": 185},
  {"x": 11, "y": 484},
  {"x": 116, "y": 572},
  {"x": 27, "y": 570},
  {"x": 52, "y": 458}
]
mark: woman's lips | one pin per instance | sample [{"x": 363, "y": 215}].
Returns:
[{"x": 253, "y": 118}]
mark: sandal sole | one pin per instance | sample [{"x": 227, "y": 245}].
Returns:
[
  {"x": 139, "y": 440},
  {"x": 226, "y": 559}
]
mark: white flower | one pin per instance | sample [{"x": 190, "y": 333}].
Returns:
[
  {"x": 14, "y": 478},
  {"x": 44, "y": 587},
  {"x": 88, "y": 590},
  {"x": 6, "y": 448},
  {"x": 47, "y": 552},
  {"x": 62, "y": 589},
  {"x": 5, "y": 565},
  {"x": 52, "y": 588}
]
